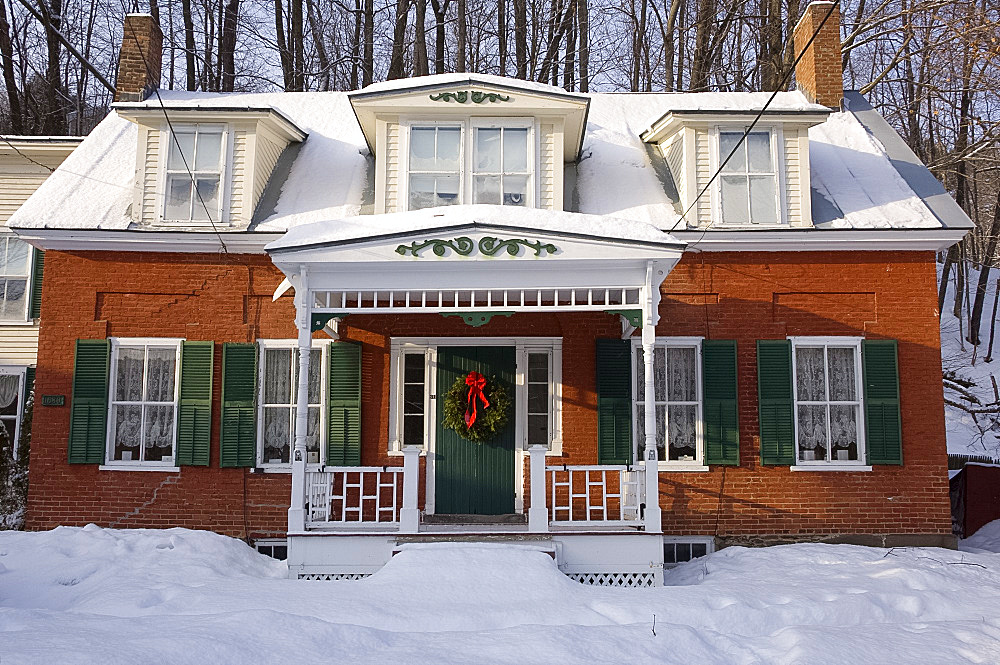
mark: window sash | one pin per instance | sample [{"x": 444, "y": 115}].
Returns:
[
  {"x": 549, "y": 412},
  {"x": 192, "y": 175},
  {"x": 663, "y": 405},
  {"x": 143, "y": 404},
  {"x": 266, "y": 407},
  {"x": 827, "y": 403},
  {"x": 744, "y": 174},
  {"x": 502, "y": 174}
]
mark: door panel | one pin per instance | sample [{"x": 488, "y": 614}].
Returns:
[{"x": 474, "y": 478}]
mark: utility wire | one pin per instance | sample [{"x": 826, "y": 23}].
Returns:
[
  {"x": 779, "y": 88},
  {"x": 180, "y": 150}
]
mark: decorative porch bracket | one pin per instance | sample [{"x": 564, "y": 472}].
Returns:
[
  {"x": 319, "y": 321},
  {"x": 476, "y": 319},
  {"x": 633, "y": 316}
]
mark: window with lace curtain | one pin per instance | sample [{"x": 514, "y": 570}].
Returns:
[
  {"x": 15, "y": 271},
  {"x": 143, "y": 417},
  {"x": 10, "y": 409},
  {"x": 828, "y": 394},
  {"x": 677, "y": 399},
  {"x": 279, "y": 371}
]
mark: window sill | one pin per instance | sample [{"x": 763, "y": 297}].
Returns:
[
  {"x": 139, "y": 467},
  {"x": 26, "y": 322},
  {"x": 830, "y": 467},
  {"x": 685, "y": 468},
  {"x": 283, "y": 468}
]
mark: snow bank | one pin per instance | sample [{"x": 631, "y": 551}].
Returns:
[
  {"x": 103, "y": 596},
  {"x": 987, "y": 539}
]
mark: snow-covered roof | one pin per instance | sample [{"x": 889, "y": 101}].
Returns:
[
  {"x": 855, "y": 183},
  {"x": 369, "y": 227}
]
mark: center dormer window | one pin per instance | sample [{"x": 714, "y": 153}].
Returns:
[
  {"x": 194, "y": 174},
  {"x": 749, "y": 181},
  {"x": 488, "y": 162}
]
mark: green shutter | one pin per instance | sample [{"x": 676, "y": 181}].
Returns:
[
  {"x": 37, "y": 265},
  {"x": 238, "y": 436},
  {"x": 29, "y": 387},
  {"x": 722, "y": 431},
  {"x": 882, "y": 419},
  {"x": 194, "y": 421},
  {"x": 614, "y": 401},
  {"x": 88, "y": 418},
  {"x": 774, "y": 390},
  {"x": 343, "y": 444}
]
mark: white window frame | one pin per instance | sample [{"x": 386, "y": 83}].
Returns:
[
  {"x": 832, "y": 465},
  {"x": 225, "y": 172},
  {"x": 466, "y": 153},
  {"x": 698, "y": 463},
  {"x": 21, "y": 372},
  {"x": 777, "y": 159},
  {"x": 429, "y": 346},
  {"x": 109, "y": 451},
  {"x": 707, "y": 541},
  {"x": 317, "y": 344},
  {"x": 5, "y": 234}
]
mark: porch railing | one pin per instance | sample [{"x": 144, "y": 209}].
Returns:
[
  {"x": 356, "y": 495},
  {"x": 595, "y": 494}
]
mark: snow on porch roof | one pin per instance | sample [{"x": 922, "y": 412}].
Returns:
[{"x": 393, "y": 225}]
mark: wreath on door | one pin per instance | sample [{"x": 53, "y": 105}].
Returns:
[{"x": 477, "y": 408}]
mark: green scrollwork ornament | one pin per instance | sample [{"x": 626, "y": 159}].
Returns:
[
  {"x": 463, "y": 96},
  {"x": 491, "y": 246},
  {"x": 462, "y": 246}
]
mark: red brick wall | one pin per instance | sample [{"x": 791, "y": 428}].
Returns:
[
  {"x": 742, "y": 296},
  {"x": 820, "y": 74}
]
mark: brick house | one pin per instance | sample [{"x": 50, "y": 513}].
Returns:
[{"x": 273, "y": 315}]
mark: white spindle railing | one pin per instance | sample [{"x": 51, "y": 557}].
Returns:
[
  {"x": 354, "y": 495},
  {"x": 595, "y": 494}
]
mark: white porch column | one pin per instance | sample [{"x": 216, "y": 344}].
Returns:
[
  {"x": 538, "y": 513},
  {"x": 650, "y": 317},
  {"x": 409, "y": 514},
  {"x": 303, "y": 320}
]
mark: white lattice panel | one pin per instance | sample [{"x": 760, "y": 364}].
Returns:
[
  {"x": 615, "y": 579},
  {"x": 333, "y": 577}
]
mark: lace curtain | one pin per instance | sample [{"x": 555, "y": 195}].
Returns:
[
  {"x": 9, "y": 384},
  {"x": 674, "y": 380},
  {"x": 280, "y": 378},
  {"x": 833, "y": 379}
]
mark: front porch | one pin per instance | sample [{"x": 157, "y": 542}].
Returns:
[{"x": 347, "y": 519}]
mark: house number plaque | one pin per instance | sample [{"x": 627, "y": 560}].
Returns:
[{"x": 53, "y": 400}]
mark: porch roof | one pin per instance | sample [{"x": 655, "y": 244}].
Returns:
[{"x": 475, "y": 258}]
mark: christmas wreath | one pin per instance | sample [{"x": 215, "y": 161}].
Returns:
[{"x": 477, "y": 408}]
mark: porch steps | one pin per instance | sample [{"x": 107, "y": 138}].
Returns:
[{"x": 540, "y": 541}]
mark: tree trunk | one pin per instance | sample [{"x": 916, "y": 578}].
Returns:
[
  {"x": 298, "y": 47},
  {"x": 54, "y": 123},
  {"x": 420, "y": 66},
  {"x": 368, "y": 57},
  {"x": 461, "y": 58},
  {"x": 984, "y": 274},
  {"x": 502, "y": 37},
  {"x": 701, "y": 62},
  {"x": 316, "y": 32},
  {"x": 189, "y": 59},
  {"x": 583, "y": 30},
  {"x": 769, "y": 55},
  {"x": 569, "y": 66},
  {"x": 10, "y": 83},
  {"x": 521, "y": 38},
  {"x": 227, "y": 46},
  {"x": 356, "y": 45},
  {"x": 396, "y": 61},
  {"x": 440, "y": 11}
]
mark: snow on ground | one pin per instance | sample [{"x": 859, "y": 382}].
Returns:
[
  {"x": 94, "y": 595},
  {"x": 966, "y": 436},
  {"x": 987, "y": 539}
]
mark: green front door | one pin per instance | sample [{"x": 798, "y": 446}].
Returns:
[{"x": 474, "y": 478}]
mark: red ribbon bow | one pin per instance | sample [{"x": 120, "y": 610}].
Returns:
[{"x": 476, "y": 383}]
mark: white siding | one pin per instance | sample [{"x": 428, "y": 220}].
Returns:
[
  {"x": 18, "y": 345},
  {"x": 793, "y": 183},
  {"x": 548, "y": 161},
  {"x": 238, "y": 188},
  {"x": 703, "y": 166},
  {"x": 266, "y": 157},
  {"x": 392, "y": 167},
  {"x": 151, "y": 178},
  {"x": 15, "y": 188}
]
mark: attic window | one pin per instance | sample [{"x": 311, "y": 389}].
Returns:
[
  {"x": 749, "y": 180},
  {"x": 194, "y": 174}
]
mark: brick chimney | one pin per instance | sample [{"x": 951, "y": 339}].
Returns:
[
  {"x": 140, "y": 59},
  {"x": 820, "y": 72}
]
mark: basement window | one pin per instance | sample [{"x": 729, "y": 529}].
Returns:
[
  {"x": 276, "y": 548},
  {"x": 685, "y": 548}
]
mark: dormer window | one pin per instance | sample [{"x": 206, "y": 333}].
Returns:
[
  {"x": 194, "y": 174},
  {"x": 749, "y": 181},
  {"x": 500, "y": 170},
  {"x": 435, "y": 166},
  {"x": 490, "y": 162}
]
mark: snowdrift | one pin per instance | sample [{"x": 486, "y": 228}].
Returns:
[{"x": 94, "y": 595}]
